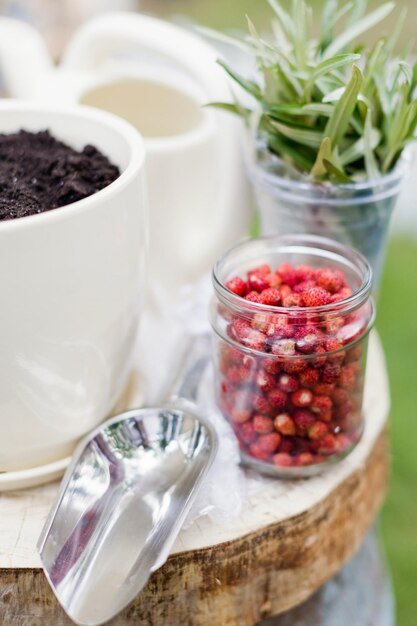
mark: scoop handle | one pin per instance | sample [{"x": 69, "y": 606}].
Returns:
[{"x": 194, "y": 359}]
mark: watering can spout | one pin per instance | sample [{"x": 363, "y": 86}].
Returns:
[{"x": 24, "y": 58}]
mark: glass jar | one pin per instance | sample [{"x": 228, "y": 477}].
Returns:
[
  {"x": 290, "y": 378},
  {"x": 357, "y": 214}
]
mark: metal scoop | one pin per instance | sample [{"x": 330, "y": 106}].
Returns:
[{"x": 124, "y": 499}]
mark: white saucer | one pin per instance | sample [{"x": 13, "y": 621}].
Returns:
[{"x": 23, "y": 479}]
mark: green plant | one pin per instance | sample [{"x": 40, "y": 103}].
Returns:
[{"x": 328, "y": 106}]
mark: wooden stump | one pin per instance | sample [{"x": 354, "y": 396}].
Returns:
[{"x": 289, "y": 539}]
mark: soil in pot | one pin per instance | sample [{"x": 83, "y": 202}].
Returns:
[{"x": 39, "y": 173}]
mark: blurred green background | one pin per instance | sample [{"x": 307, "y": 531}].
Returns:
[{"x": 397, "y": 323}]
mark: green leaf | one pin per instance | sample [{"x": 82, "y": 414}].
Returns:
[
  {"x": 335, "y": 172},
  {"x": 343, "y": 109},
  {"x": 311, "y": 138},
  {"x": 358, "y": 12},
  {"x": 325, "y": 152},
  {"x": 286, "y": 150},
  {"x": 327, "y": 23},
  {"x": 406, "y": 70},
  {"x": 329, "y": 65},
  {"x": 251, "y": 87},
  {"x": 303, "y": 110},
  {"x": 396, "y": 33},
  {"x": 237, "y": 109},
  {"x": 283, "y": 17},
  {"x": 300, "y": 33},
  {"x": 224, "y": 38},
  {"x": 372, "y": 66},
  {"x": 369, "y": 147},
  {"x": 351, "y": 33},
  {"x": 358, "y": 149}
]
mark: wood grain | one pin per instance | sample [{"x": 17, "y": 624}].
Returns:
[{"x": 289, "y": 538}]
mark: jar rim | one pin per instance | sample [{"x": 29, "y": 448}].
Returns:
[{"x": 313, "y": 242}]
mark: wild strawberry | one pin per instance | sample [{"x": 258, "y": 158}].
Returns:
[
  {"x": 272, "y": 366},
  {"x": 315, "y": 296},
  {"x": 317, "y": 431},
  {"x": 331, "y": 280},
  {"x": 240, "y": 416},
  {"x": 334, "y": 324},
  {"x": 246, "y": 374},
  {"x": 302, "y": 398},
  {"x": 347, "y": 377},
  {"x": 283, "y": 347},
  {"x": 287, "y": 273},
  {"x": 271, "y": 297},
  {"x": 247, "y": 433},
  {"x": 326, "y": 415},
  {"x": 253, "y": 296},
  {"x": 277, "y": 399},
  {"x": 285, "y": 290},
  {"x": 327, "y": 445},
  {"x": 262, "y": 269},
  {"x": 284, "y": 424},
  {"x": 303, "y": 286},
  {"x": 343, "y": 410},
  {"x": 288, "y": 383},
  {"x": 335, "y": 298},
  {"x": 229, "y": 353},
  {"x": 304, "y": 272},
  {"x": 257, "y": 281},
  {"x": 304, "y": 458},
  {"x": 324, "y": 389},
  {"x": 340, "y": 396},
  {"x": 255, "y": 340},
  {"x": 319, "y": 361},
  {"x": 260, "y": 404},
  {"x": 293, "y": 299},
  {"x": 257, "y": 452},
  {"x": 240, "y": 328},
  {"x": 309, "y": 378},
  {"x": 294, "y": 366},
  {"x": 274, "y": 280},
  {"x": 262, "y": 425},
  {"x": 280, "y": 331},
  {"x": 346, "y": 293},
  {"x": 354, "y": 354},
  {"x": 307, "y": 339},
  {"x": 282, "y": 459},
  {"x": 261, "y": 321},
  {"x": 233, "y": 375},
  {"x": 265, "y": 381},
  {"x": 303, "y": 420},
  {"x": 334, "y": 345},
  {"x": 269, "y": 443},
  {"x": 237, "y": 286},
  {"x": 331, "y": 372},
  {"x": 321, "y": 404}
]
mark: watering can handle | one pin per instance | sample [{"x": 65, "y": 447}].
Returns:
[
  {"x": 171, "y": 46},
  {"x": 117, "y": 31}
]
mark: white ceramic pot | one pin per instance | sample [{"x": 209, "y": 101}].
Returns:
[
  {"x": 158, "y": 77},
  {"x": 70, "y": 284}
]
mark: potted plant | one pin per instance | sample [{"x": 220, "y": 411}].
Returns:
[{"x": 329, "y": 120}]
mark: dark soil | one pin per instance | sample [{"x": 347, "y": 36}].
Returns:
[{"x": 39, "y": 173}]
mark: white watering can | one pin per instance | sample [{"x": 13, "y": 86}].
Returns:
[{"x": 157, "y": 76}]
